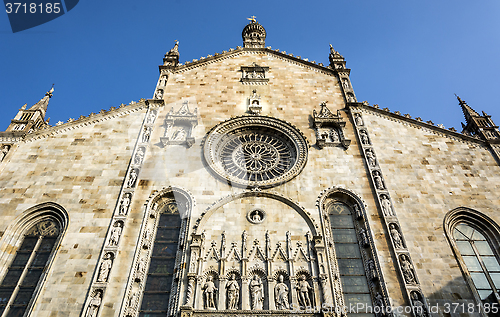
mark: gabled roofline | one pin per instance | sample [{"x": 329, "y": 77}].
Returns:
[
  {"x": 415, "y": 122},
  {"x": 240, "y": 50}
]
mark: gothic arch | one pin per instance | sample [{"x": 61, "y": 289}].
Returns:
[
  {"x": 173, "y": 202},
  {"x": 30, "y": 244},
  {"x": 361, "y": 234},
  {"x": 488, "y": 233},
  {"x": 306, "y": 215}
]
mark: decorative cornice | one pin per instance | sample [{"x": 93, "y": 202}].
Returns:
[
  {"x": 217, "y": 57},
  {"x": 417, "y": 123}
]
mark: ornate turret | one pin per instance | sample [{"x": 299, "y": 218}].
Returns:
[
  {"x": 26, "y": 121},
  {"x": 171, "y": 58},
  {"x": 478, "y": 125},
  {"x": 337, "y": 61},
  {"x": 254, "y": 34}
]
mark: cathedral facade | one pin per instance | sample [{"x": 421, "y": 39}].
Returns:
[{"x": 252, "y": 183}]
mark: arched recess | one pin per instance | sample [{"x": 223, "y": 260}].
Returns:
[
  {"x": 29, "y": 247},
  {"x": 153, "y": 286},
  {"x": 351, "y": 250},
  {"x": 475, "y": 241},
  {"x": 228, "y": 238}
]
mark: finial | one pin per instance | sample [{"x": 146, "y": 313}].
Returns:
[
  {"x": 459, "y": 100},
  {"x": 252, "y": 19},
  {"x": 49, "y": 93}
]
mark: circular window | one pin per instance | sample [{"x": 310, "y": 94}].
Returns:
[{"x": 256, "y": 151}]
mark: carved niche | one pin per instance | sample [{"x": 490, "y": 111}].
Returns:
[
  {"x": 329, "y": 128},
  {"x": 254, "y": 75},
  {"x": 179, "y": 126},
  {"x": 254, "y": 106}
]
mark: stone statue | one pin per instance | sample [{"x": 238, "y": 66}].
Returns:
[
  {"x": 163, "y": 80},
  {"x": 371, "y": 158},
  {"x": 94, "y": 305},
  {"x": 132, "y": 178},
  {"x": 159, "y": 94},
  {"x": 192, "y": 265},
  {"x": 115, "y": 234},
  {"x": 303, "y": 289},
  {"x": 372, "y": 270},
  {"x": 281, "y": 295},
  {"x": 146, "y": 134},
  {"x": 359, "y": 120},
  {"x": 257, "y": 293},
  {"x": 233, "y": 293},
  {"x": 396, "y": 237},
  {"x": 378, "y": 180},
  {"x": 418, "y": 306},
  {"x": 364, "y": 238},
  {"x": 350, "y": 98},
  {"x": 209, "y": 291},
  {"x": 386, "y": 206},
  {"x": 151, "y": 117},
  {"x": 105, "y": 268},
  {"x": 124, "y": 204},
  {"x": 334, "y": 135},
  {"x": 364, "y": 137},
  {"x": 139, "y": 156},
  {"x": 132, "y": 301},
  {"x": 407, "y": 269},
  {"x": 345, "y": 83},
  {"x": 179, "y": 135},
  {"x": 141, "y": 265},
  {"x": 3, "y": 153}
]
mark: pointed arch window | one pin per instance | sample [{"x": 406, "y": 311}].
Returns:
[
  {"x": 479, "y": 259},
  {"x": 26, "y": 271},
  {"x": 349, "y": 256},
  {"x": 475, "y": 239},
  {"x": 161, "y": 269}
]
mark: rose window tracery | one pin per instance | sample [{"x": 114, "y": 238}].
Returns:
[{"x": 256, "y": 151}]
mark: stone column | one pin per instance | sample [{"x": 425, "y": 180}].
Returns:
[
  {"x": 271, "y": 283},
  {"x": 293, "y": 293},
  {"x": 221, "y": 305},
  {"x": 245, "y": 294}
]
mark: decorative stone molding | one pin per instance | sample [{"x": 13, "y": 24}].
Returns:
[
  {"x": 254, "y": 75},
  {"x": 255, "y": 151},
  {"x": 329, "y": 128},
  {"x": 179, "y": 126},
  {"x": 116, "y": 228},
  {"x": 402, "y": 258}
]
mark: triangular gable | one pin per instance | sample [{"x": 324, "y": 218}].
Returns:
[
  {"x": 212, "y": 253},
  {"x": 233, "y": 254},
  {"x": 256, "y": 253},
  {"x": 279, "y": 254}
]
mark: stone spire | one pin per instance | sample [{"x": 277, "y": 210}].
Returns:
[
  {"x": 29, "y": 120},
  {"x": 254, "y": 34},
  {"x": 171, "y": 58},
  {"x": 478, "y": 125}
]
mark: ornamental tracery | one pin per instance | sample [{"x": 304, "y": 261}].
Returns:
[{"x": 256, "y": 151}]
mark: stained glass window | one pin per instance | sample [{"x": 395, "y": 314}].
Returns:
[
  {"x": 352, "y": 273},
  {"x": 25, "y": 271},
  {"x": 480, "y": 260},
  {"x": 161, "y": 269}
]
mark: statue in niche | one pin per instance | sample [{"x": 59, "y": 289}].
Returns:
[
  {"x": 386, "y": 206},
  {"x": 209, "y": 291},
  {"x": 159, "y": 94},
  {"x": 350, "y": 98},
  {"x": 357, "y": 211},
  {"x": 3, "y": 153},
  {"x": 163, "y": 80},
  {"x": 358, "y": 119},
  {"x": 379, "y": 183},
  {"x": 132, "y": 178},
  {"x": 124, "y": 204},
  {"x": 192, "y": 265},
  {"x": 334, "y": 135},
  {"x": 257, "y": 293},
  {"x": 233, "y": 293},
  {"x": 407, "y": 269},
  {"x": 372, "y": 270},
  {"x": 105, "y": 268},
  {"x": 364, "y": 137},
  {"x": 364, "y": 238},
  {"x": 139, "y": 156},
  {"x": 116, "y": 231},
  {"x": 151, "y": 117},
  {"x": 141, "y": 265},
  {"x": 94, "y": 305},
  {"x": 281, "y": 295},
  {"x": 379, "y": 301},
  {"x": 396, "y": 237},
  {"x": 303, "y": 289},
  {"x": 179, "y": 135},
  {"x": 418, "y": 306},
  {"x": 345, "y": 83},
  {"x": 132, "y": 301},
  {"x": 256, "y": 216},
  {"x": 371, "y": 158},
  {"x": 146, "y": 134}
]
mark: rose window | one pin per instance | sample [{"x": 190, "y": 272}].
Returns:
[{"x": 255, "y": 154}]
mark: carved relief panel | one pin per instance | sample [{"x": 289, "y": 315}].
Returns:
[
  {"x": 179, "y": 126},
  {"x": 329, "y": 128}
]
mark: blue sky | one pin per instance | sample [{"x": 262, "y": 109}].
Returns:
[{"x": 410, "y": 56}]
